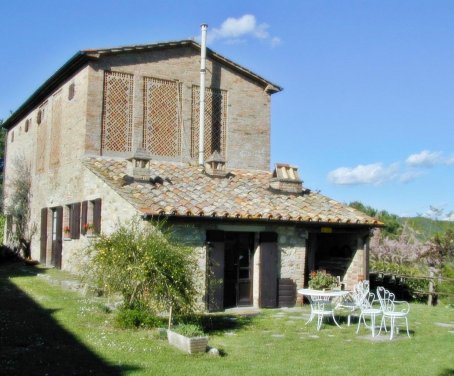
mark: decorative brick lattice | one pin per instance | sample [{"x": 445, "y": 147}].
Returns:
[
  {"x": 162, "y": 117},
  {"x": 55, "y": 140},
  {"x": 215, "y": 121},
  {"x": 117, "y": 112}
]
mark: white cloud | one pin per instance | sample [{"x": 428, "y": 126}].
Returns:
[
  {"x": 450, "y": 160},
  {"x": 374, "y": 173},
  {"x": 235, "y": 30},
  {"x": 408, "y": 176},
  {"x": 424, "y": 159}
]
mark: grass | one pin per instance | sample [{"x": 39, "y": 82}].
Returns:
[{"x": 47, "y": 330}]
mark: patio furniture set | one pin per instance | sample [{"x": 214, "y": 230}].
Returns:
[{"x": 361, "y": 300}]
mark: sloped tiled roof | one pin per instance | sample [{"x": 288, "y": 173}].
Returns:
[{"x": 183, "y": 190}]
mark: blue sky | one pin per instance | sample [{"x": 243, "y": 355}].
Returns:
[{"x": 367, "y": 111}]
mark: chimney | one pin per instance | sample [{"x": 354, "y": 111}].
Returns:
[
  {"x": 204, "y": 28},
  {"x": 215, "y": 166},
  {"x": 139, "y": 164},
  {"x": 286, "y": 179}
]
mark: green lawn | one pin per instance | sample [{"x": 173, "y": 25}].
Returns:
[{"x": 47, "y": 330}]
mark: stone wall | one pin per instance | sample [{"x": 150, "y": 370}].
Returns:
[
  {"x": 292, "y": 246},
  {"x": 357, "y": 271},
  {"x": 55, "y": 180}
]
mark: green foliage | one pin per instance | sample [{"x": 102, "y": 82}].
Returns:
[
  {"x": 427, "y": 228},
  {"x": 321, "y": 279},
  {"x": 18, "y": 207},
  {"x": 142, "y": 263},
  {"x": 2, "y": 226},
  {"x": 130, "y": 318},
  {"x": 415, "y": 270},
  {"x": 189, "y": 330},
  {"x": 447, "y": 287},
  {"x": 392, "y": 225}
]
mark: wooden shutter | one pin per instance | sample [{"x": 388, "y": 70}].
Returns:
[
  {"x": 57, "y": 243},
  {"x": 84, "y": 217},
  {"x": 215, "y": 270},
  {"x": 268, "y": 270},
  {"x": 75, "y": 221},
  {"x": 43, "y": 240},
  {"x": 97, "y": 215}
]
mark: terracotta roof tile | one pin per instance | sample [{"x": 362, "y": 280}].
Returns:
[{"x": 185, "y": 190}]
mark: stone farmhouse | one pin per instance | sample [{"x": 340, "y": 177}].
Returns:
[{"x": 114, "y": 134}]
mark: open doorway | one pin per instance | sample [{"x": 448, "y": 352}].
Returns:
[{"x": 239, "y": 249}]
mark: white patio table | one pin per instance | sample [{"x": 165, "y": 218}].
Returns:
[{"x": 321, "y": 303}]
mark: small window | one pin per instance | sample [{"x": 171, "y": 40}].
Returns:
[
  {"x": 71, "y": 91},
  {"x": 12, "y": 136},
  {"x": 39, "y": 116},
  {"x": 91, "y": 217},
  {"x": 71, "y": 221},
  {"x": 27, "y": 125}
]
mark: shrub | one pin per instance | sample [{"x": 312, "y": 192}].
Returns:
[
  {"x": 146, "y": 266},
  {"x": 129, "y": 318},
  {"x": 448, "y": 286}
]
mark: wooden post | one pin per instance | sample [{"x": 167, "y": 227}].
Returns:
[{"x": 431, "y": 286}]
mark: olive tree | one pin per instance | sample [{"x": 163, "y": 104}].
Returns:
[{"x": 17, "y": 207}]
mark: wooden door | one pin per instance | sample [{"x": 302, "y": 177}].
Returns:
[
  {"x": 239, "y": 247},
  {"x": 57, "y": 227},
  {"x": 268, "y": 270}
]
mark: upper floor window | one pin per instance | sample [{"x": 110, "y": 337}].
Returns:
[
  {"x": 215, "y": 121},
  {"x": 117, "y": 112},
  {"x": 162, "y": 117},
  {"x": 71, "y": 91}
]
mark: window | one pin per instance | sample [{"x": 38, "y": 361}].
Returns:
[
  {"x": 40, "y": 116},
  {"x": 71, "y": 91},
  {"x": 27, "y": 125},
  {"x": 162, "y": 117},
  {"x": 91, "y": 217},
  {"x": 12, "y": 136},
  {"x": 215, "y": 121},
  {"x": 71, "y": 221},
  {"x": 117, "y": 113}
]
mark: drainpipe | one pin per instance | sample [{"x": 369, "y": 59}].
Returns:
[{"x": 204, "y": 28}]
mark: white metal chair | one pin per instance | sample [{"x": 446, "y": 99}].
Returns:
[
  {"x": 368, "y": 310},
  {"x": 321, "y": 307},
  {"x": 353, "y": 302},
  {"x": 392, "y": 310}
]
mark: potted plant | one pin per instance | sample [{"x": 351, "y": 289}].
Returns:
[
  {"x": 89, "y": 229},
  {"x": 321, "y": 280},
  {"x": 67, "y": 232},
  {"x": 188, "y": 337}
]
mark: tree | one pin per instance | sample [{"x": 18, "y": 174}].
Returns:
[
  {"x": 18, "y": 207},
  {"x": 392, "y": 227},
  {"x": 143, "y": 263}
]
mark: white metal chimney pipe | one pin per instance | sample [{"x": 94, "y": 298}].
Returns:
[{"x": 204, "y": 28}]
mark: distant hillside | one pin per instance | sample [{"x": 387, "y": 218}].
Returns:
[{"x": 426, "y": 228}]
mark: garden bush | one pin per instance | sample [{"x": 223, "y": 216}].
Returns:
[
  {"x": 142, "y": 262},
  {"x": 129, "y": 318}
]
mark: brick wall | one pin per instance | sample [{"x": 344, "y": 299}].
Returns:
[{"x": 248, "y": 105}]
